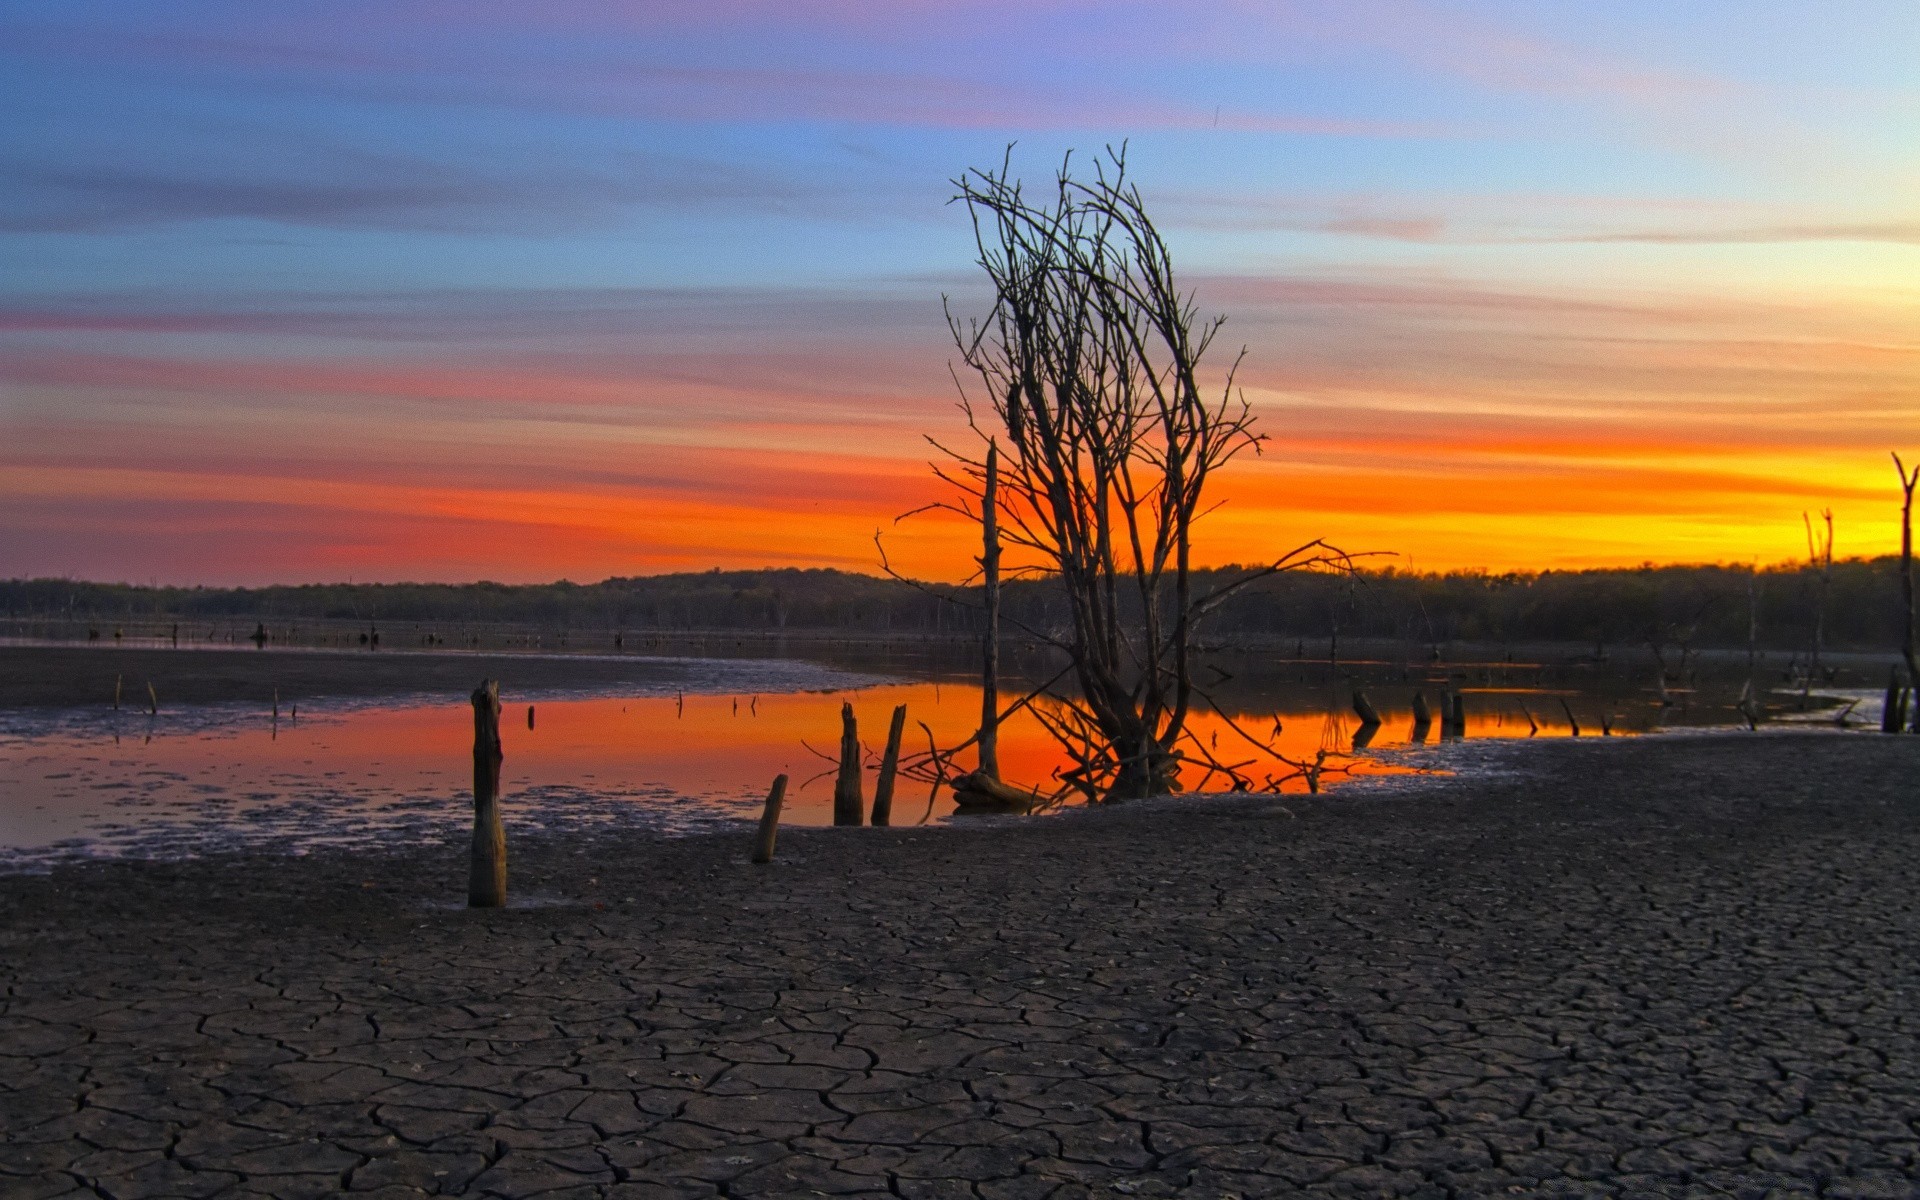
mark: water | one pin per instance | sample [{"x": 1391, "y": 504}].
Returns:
[{"x": 78, "y": 783}]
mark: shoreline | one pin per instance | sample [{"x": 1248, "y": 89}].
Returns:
[{"x": 1679, "y": 965}]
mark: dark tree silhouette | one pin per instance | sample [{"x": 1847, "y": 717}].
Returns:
[{"x": 1107, "y": 436}]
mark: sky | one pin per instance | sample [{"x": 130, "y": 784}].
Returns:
[{"x": 445, "y": 290}]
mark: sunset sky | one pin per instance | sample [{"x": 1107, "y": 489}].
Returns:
[{"x": 453, "y": 290}]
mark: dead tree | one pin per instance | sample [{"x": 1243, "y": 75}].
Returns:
[
  {"x": 990, "y": 636},
  {"x": 1102, "y": 433},
  {"x": 1908, "y": 479},
  {"x": 1820, "y": 562}
]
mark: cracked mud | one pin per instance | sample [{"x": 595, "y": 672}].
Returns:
[{"x": 1660, "y": 967}]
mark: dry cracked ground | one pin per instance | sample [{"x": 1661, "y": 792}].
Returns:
[{"x": 1681, "y": 966}]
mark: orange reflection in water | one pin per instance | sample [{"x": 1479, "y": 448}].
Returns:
[{"x": 706, "y": 754}]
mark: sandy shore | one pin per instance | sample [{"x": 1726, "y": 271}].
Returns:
[{"x": 1673, "y": 966}]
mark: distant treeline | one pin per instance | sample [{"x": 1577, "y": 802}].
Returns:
[{"x": 1669, "y": 606}]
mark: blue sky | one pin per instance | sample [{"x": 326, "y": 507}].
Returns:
[{"x": 629, "y": 287}]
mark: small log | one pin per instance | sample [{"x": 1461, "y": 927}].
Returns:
[
  {"x": 848, "y": 805},
  {"x": 1363, "y": 708},
  {"x": 487, "y": 870},
  {"x": 981, "y": 792},
  {"x": 889, "y": 767},
  {"x": 770, "y": 821}
]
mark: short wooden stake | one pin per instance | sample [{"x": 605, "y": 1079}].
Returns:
[
  {"x": 1889, "y": 711},
  {"x": 1363, "y": 708},
  {"x": 889, "y": 766},
  {"x": 848, "y": 806},
  {"x": 487, "y": 871},
  {"x": 153, "y": 700},
  {"x": 117, "y": 679},
  {"x": 1459, "y": 715},
  {"x": 529, "y": 716},
  {"x": 1571, "y": 721},
  {"x": 770, "y": 821},
  {"x": 1422, "y": 715}
]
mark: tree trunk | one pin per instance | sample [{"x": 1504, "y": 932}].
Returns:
[
  {"x": 848, "y": 805},
  {"x": 889, "y": 766},
  {"x": 990, "y": 638},
  {"x": 487, "y": 872}
]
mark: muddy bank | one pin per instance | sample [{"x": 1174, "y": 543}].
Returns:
[{"x": 1674, "y": 966}]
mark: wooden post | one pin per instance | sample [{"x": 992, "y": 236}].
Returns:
[
  {"x": 990, "y": 637},
  {"x": 1363, "y": 708},
  {"x": 487, "y": 872},
  {"x": 117, "y": 679},
  {"x": 769, "y": 821},
  {"x": 529, "y": 716},
  {"x": 848, "y": 805},
  {"x": 889, "y": 766},
  {"x": 153, "y": 700},
  {"x": 1422, "y": 716},
  {"x": 1571, "y": 721},
  {"x": 1459, "y": 715}
]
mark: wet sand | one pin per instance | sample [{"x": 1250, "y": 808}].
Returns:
[{"x": 1664, "y": 966}]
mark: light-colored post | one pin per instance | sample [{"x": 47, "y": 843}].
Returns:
[
  {"x": 889, "y": 766},
  {"x": 770, "y": 821},
  {"x": 848, "y": 806},
  {"x": 487, "y": 872}
]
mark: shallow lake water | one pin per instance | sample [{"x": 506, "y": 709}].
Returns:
[{"x": 194, "y": 779}]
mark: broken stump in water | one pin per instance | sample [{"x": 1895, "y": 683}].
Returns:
[
  {"x": 889, "y": 767},
  {"x": 849, "y": 807},
  {"x": 487, "y": 871}
]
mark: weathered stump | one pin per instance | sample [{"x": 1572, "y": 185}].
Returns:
[
  {"x": 487, "y": 870},
  {"x": 849, "y": 807},
  {"x": 1364, "y": 709},
  {"x": 889, "y": 767},
  {"x": 770, "y": 821}
]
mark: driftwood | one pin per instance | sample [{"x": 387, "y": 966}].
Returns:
[
  {"x": 487, "y": 871},
  {"x": 848, "y": 805},
  {"x": 770, "y": 821},
  {"x": 889, "y": 767},
  {"x": 980, "y": 792}
]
